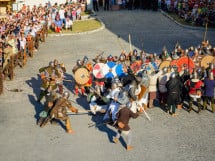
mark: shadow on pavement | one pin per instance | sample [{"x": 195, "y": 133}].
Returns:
[
  {"x": 37, "y": 106},
  {"x": 102, "y": 126}
]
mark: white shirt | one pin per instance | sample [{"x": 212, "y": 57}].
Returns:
[{"x": 61, "y": 13}]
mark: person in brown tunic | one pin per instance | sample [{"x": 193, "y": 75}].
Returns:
[
  {"x": 122, "y": 125},
  {"x": 59, "y": 111}
]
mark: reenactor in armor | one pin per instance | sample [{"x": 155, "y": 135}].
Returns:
[
  {"x": 122, "y": 58},
  {"x": 165, "y": 55},
  {"x": 174, "y": 86},
  {"x": 162, "y": 89},
  {"x": 195, "y": 86},
  {"x": 79, "y": 64},
  {"x": 48, "y": 75},
  {"x": 88, "y": 65},
  {"x": 61, "y": 69},
  {"x": 209, "y": 91},
  {"x": 59, "y": 111}
]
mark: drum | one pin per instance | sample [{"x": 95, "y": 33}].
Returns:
[
  {"x": 97, "y": 70},
  {"x": 81, "y": 76},
  {"x": 108, "y": 70}
]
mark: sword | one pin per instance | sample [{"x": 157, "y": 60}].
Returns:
[
  {"x": 147, "y": 116},
  {"x": 14, "y": 90}
]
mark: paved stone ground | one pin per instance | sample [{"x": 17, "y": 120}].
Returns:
[{"x": 186, "y": 137}]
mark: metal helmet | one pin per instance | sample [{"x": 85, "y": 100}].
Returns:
[
  {"x": 66, "y": 94},
  {"x": 145, "y": 72},
  {"x": 175, "y": 68},
  {"x": 198, "y": 70},
  {"x": 78, "y": 62},
  {"x": 122, "y": 57},
  {"x": 135, "y": 52},
  {"x": 165, "y": 70},
  {"x": 85, "y": 59},
  {"x": 173, "y": 75},
  {"x": 194, "y": 75},
  {"x": 51, "y": 64},
  {"x": 110, "y": 58}
]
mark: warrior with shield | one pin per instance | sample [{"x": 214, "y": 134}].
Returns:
[{"x": 81, "y": 75}]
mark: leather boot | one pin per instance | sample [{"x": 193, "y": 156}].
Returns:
[
  {"x": 199, "y": 106},
  {"x": 40, "y": 120},
  {"x": 82, "y": 91},
  {"x": 129, "y": 147},
  {"x": 190, "y": 105},
  {"x": 68, "y": 126},
  {"x": 151, "y": 103},
  {"x": 145, "y": 106},
  {"x": 76, "y": 91},
  {"x": 115, "y": 140},
  {"x": 204, "y": 105},
  {"x": 212, "y": 106}
]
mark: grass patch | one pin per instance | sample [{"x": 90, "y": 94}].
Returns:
[
  {"x": 82, "y": 26},
  {"x": 86, "y": 13},
  {"x": 88, "y": 25}
]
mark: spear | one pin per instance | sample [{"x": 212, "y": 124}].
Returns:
[
  {"x": 206, "y": 28},
  {"x": 129, "y": 37}
]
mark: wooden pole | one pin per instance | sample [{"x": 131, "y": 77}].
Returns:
[
  {"x": 205, "y": 34},
  {"x": 129, "y": 37}
]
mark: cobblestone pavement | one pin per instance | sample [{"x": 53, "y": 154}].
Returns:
[{"x": 190, "y": 136}]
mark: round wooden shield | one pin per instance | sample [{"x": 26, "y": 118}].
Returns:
[
  {"x": 173, "y": 62},
  {"x": 185, "y": 62},
  {"x": 119, "y": 69},
  {"x": 97, "y": 70},
  {"x": 165, "y": 63},
  {"x": 136, "y": 66},
  {"x": 108, "y": 70},
  {"x": 82, "y": 76},
  {"x": 206, "y": 60}
]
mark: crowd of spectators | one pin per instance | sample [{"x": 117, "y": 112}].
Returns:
[
  {"x": 196, "y": 12},
  {"x": 62, "y": 16},
  {"x": 17, "y": 28}
]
